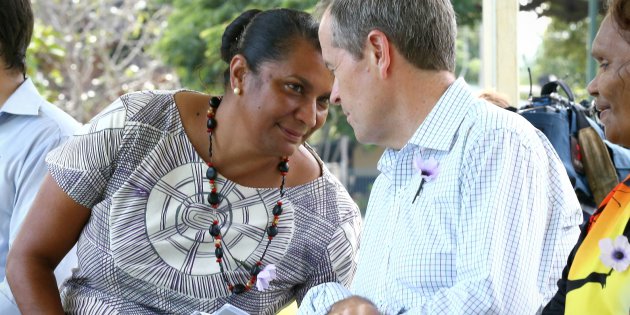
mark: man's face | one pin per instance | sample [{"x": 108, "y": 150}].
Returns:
[
  {"x": 354, "y": 87},
  {"x": 611, "y": 85}
]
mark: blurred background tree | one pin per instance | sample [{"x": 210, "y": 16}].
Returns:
[
  {"x": 85, "y": 53},
  {"x": 564, "y": 52},
  {"x": 569, "y": 11},
  {"x": 192, "y": 40},
  {"x": 563, "y": 55}
]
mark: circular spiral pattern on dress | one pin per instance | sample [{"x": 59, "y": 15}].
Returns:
[{"x": 178, "y": 217}]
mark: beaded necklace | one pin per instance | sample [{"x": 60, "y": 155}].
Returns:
[{"x": 215, "y": 199}]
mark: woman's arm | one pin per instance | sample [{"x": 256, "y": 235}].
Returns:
[{"x": 51, "y": 228}]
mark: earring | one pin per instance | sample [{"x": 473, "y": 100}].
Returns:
[{"x": 237, "y": 91}]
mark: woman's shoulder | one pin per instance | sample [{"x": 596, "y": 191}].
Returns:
[
  {"x": 324, "y": 194},
  {"x": 309, "y": 169},
  {"x": 132, "y": 103},
  {"x": 155, "y": 108},
  {"x": 147, "y": 100}
]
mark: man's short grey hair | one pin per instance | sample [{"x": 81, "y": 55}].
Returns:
[
  {"x": 423, "y": 31},
  {"x": 321, "y": 7}
]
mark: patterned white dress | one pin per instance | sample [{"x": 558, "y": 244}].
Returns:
[{"x": 146, "y": 248}]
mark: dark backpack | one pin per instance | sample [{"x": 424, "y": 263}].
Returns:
[{"x": 593, "y": 165}]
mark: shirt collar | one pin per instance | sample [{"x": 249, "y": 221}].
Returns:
[
  {"x": 440, "y": 127},
  {"x": 22, "y": 102}
]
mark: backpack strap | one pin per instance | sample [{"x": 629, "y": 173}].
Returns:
[{"x": 598, "y": 165}]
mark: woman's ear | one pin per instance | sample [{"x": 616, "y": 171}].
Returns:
[{"x": 238, "y": 68}]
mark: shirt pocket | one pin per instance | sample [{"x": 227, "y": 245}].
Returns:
[{"x": 423, "y": 258}]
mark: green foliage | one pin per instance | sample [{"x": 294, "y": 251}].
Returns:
[
  {"x": 43, "y": 53},
  {"x": 468, "y": 60},
  {"x": 192, "y": 41},
  {"x": 84, "y": 54},
  {"x": 191, "y": 44},
  {"x": 563, "y": 54},
  {"x": 569, "y": 11},
  {"x": 468, "y": 12}
]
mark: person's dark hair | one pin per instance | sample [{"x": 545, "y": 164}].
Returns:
[
  {"x": 423, "y": 31},
  {"x": 620, "y": 12},
  {"x": 264, "y": 36},
  {"x": 16, "y": 29}
]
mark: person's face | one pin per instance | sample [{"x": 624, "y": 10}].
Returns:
[
  {"x": 287, "y": 100},
  {"x": 611, "y": 85},
  {"x": 354, "y": 87}
]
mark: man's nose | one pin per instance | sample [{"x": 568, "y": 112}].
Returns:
[{"x": 335, "y": 98}]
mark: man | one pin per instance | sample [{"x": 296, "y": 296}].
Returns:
[
  {"x": 29, "y": 128},
  {"x": 473, "y": 212}
]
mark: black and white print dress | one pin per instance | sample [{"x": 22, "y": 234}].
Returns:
[{"x": 146, "y": 248}]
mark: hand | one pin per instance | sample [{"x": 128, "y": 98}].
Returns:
[{"x": 354, "y": 305}]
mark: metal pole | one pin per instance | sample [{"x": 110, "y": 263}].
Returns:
[
  {"x": 592, "y": 31},
  {"x": 499, "y": 52}
]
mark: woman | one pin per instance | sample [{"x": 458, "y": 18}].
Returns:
[
  {"x": 596, "y": 279},
  {"x": 183, "y": 202}
]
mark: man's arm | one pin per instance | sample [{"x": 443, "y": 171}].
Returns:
[
  {"x": 7, "y": 304},
  {"x": 556, "y": 304},
  {"x": 49, "y": 231},
  {"x": 27, "y": 181},
  {"x": 504, "y": 213},
  {"x": 501, "y": 230},
  {"x": 504, "y": 217}
]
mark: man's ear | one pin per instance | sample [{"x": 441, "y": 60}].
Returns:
[
  {"x": 378, "y": 51},
  {"x": 238, "y": 68}
]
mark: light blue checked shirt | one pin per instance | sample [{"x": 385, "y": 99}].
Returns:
[
  {"x": 29, "y": 128},
  {"x": 489, "y": 235}
]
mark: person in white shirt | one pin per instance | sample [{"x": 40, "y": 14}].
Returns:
[
  {"x": 473, "y": 212},
  {"x": 29, "y": 128}
]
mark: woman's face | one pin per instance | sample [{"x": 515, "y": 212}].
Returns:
[
  {"x": 287, "y": 100},
  {"x": 611, "y": 85}
]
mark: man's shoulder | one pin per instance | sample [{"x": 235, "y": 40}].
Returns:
[
  {"x": 486, "y": 120},
  {"x": 46, "y": 119},
  {"x": 57, "y": 119}
]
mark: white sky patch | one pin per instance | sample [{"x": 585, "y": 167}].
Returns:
[{"x": 531, "y": 29}]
